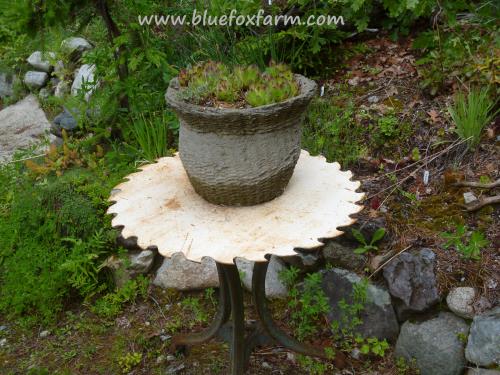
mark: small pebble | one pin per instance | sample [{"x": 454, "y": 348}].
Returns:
[
  {"x": 356, "y": 354},
  {"x": 170, "y": 358},
  {"x": 3, "y": 343},
  {"x": 44, "y": 334},
  {"x": 164, "y": 338},
  {"x": 266, "y": 365},
  {"x": 290, "y": 357},
  {"x": 3, "y": 328},
  {"x": 160, "y": 359},
  {"x": 469, "y": 197},
  {"x": 147, "y": 324},
  {"x": 373, "y": 99},
  {"x": 174, "y": 369}
]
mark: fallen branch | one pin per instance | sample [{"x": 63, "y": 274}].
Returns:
[
  {"x": 479, "y": 185},
  {"x": 476, "y": 205}
]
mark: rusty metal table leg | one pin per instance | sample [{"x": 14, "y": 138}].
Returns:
[
  {"x": 237, "y": 343},
  {"x": 266, "y": 320},
  {"x": 180, "y": 342},
  {"x": 231, "y": 305}
]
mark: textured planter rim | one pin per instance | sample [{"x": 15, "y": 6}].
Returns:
[{"x": 307, "y": 90}]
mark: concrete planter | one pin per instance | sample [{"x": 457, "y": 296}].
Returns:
[{"x": 240, "y": 157}]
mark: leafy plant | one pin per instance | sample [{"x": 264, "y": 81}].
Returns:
[
  {"x": 469, "y": 246},
  {"x": 308, "y": 303},
  {"x": 129, "y": 361},
  {"x": 372, "y": 345},
  {"x": 388, "y": 125},
  {"x": 367, "y": 246},
  {"x": 471, "y": 114},
  {"x": 111, "y": 304}
]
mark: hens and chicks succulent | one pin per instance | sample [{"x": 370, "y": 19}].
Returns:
[{"x": 211, "y": 82}]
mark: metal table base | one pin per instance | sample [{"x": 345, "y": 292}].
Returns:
[{"x": 231, "y": 313}]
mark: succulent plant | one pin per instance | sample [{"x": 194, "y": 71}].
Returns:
[{"x": 212, "y": 81}]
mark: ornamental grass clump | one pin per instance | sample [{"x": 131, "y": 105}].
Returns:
[{"x": 216, "y": 85}]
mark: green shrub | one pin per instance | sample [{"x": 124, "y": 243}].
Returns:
[
  {"x": 54, "y": 234},
  {"x": 471, "y": 114}
]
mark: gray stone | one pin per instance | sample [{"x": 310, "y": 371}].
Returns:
[
  {"x": 63, "y": 88},
  {"x": 174, "y": 369},
  {"x": 461, "y": 301},
  {"x": 75, "y": 46},
  {"x": 3, "y": 328},
  {"x": 483, "y": 346},
  {"x": 341, "y": 253},
  {"x": 65, "y": 120},
  {"x": 412, "y": 281},
  {"x": 469, "y": 197},
  {"x": 274, "y": 286},
  {"x": 139, "y": 262},
  {"x": 84, "y": 80},
  {"x": 373, "y": 99},
  {"x": 40, "y": 61},
  {"x": 3, "y": 343},
  {"x": 44, "y": 334},
  {"x": 44, "y": 94},
  {"x": 304, "y": 261},
  {"x": 6, "y": 85},
  {"x": 377, "y": 318},
  {"x": 22, "y": 126},
  {"x": 481, "y": 371},
  {"x": 435, "y": 344},
  {"x": 35, "y": 80},
  {"x": 179, "y": 273}
]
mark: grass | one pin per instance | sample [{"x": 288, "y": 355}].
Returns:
[
  {"x": 152, "y": 134},
  {"x": 471, "y": 114}
]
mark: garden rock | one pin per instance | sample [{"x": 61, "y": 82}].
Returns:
[
  {"x": 40, "y": 62},
  {"x": 434, "y": 344},
  {"x": 139, "y": 262},
  {"x": 411, "y": 279},
  {"x": 461, "y": 301},
  {"x": 21, "y": 126},
  {"x": 378, "y": 317},
  {"x": 63, "y": 88},
  {"x": 65, "y": 120},
  {"x": 44, "y": 94},
  {"x": 483, "y": 346},
  {"x": 481, "y": 371},
  {"x": 274, "y": 286},
  {"x": 84, "y": 80},
  {"x": 44, "y": 334},
  {"x": 6, "y": 85},
  {"x": 182, "y": 274},
  {"x": 35, "y": 80},
  {"x": 75, "y": 46},
  {"x": 305, "y": 261},
  {"x": 341, "y": 253}
]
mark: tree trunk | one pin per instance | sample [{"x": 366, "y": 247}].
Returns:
[{"x": 114, "y": 32}]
